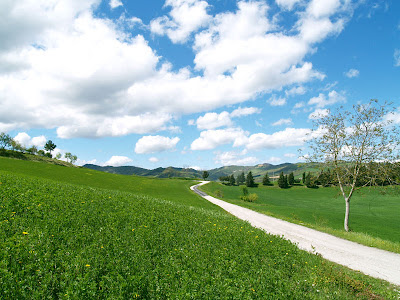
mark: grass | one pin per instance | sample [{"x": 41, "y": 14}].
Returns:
[
  {"x": 374, "y": 212},
  {"x": 61, "y": 240}
]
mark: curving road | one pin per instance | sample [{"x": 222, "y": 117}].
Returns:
[{"x": 371, "y": 261}]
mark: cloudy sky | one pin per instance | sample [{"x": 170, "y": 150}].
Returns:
[{"x": 189, "y": 83}]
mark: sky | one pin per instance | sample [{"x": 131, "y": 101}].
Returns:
[{"x": 190, "y": 83}]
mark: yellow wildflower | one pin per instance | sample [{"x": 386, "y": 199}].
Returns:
[{"x": 24, "y": 232}]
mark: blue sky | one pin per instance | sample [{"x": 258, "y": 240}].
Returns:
[{"x": 190, "y": 83}]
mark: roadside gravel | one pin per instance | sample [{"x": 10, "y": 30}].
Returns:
[{"x": 371, "y": 261}]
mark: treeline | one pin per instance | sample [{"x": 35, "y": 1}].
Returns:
[
  {"x": 241, "y": 179},
  {"x": 8, "y": 143}
]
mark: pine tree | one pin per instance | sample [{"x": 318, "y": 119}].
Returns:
[
  {"x": 291, "y": 179},
  {"x": 250, "y": 180},
  {"x": 241, "y": 178},
  {"x": 304, "y": 177},
  {"x": 282, "y": 181},
  {"x": 266, "y": 180},
  {"x": 232, "y": 180}
]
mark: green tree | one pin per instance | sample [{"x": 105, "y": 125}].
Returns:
[
  {"x": 58, "y": 155},
  {"x": 304, "y": 177},
  {"x": 310, "y": 181},
  {"x": 5, "y": 140},
  {"x": 70, "y": 157},
  {"x": 348, "y": 141},
  {"x": 266, "y": 180},
  {"x": 282, "y": 181},
  {"x": 32, "y": 150},
  {"x": 205, "y": 175},
  {"x": 291, "y": 179},
  {"x": 232, "y": 180},
  {"x": 50, "y": 146},
  {"x": 250, "y": 180},
  {"x": 241, "y": 179}
]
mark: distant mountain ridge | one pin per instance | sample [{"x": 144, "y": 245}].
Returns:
[{"x": 173, "y": 172}]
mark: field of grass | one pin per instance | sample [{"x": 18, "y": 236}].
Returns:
[
  {"x": 374, "y": 212},
  {"x": 61, "y": 240}
]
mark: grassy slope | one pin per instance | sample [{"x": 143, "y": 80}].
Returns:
[
  {"x": 374, "y": 217},
  {"x": 82, "y": 242}
]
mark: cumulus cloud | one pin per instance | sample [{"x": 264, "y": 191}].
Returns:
[
  {"x": 25, "y": 140},
  {"x": 117, "y": 161},
  {"x": 157, "y": 143},
  {"x": 274, "y": 159},
  {"x": 55, "y": 75},
  {"x": 234, "y": 158},
  {"x": 283, "y": 122},
  {"x": 115, "y": 3},
  {"x": 211, "y": 139},
  {"x": 294, "y": 91},
  {"x": 153, "y": 159},
  {"x": 277, "y": 101},
  {"x": 396, "y": 57},
  {"x": 352, "y": 73},
  {"x": 286, "y": 138},
  {"x": 322, "y": 100},
  {"x": 214, "y": 120},
  {"x": 185, "y": 17}
]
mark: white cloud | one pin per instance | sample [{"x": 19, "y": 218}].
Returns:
[
  {"x": 290, "y": 155},
  {"x": 25, "y": 140},
  {"x": 153, "y": 159},
  {"x": 352, "y": 73},
  {"x": 152, "y": 144},
  {"x": 115, "y": 3},
  {"x": 274, "y": 159},
  {"x": 318, "y": 114},
  {"x": 274, "y": 101},
  {"x": 118, "y": 161},
  {"x": 286, "y": 138},
  {"x": 214, "y": 120},
  {"x": 299, "y": 90},
  {"x": 396, "y": 56},
  {"x": 323, "y": 101},
  {"x": 245, "y": 111},
  {"x": 185, "y": 17},
  {"x": 55, "y": 75},
  {"x": 234, "y": 158},
  {"x": 287, "y": 4},
  {"x": 211, "y": 139},
  {"x": 283, "y": 122}
]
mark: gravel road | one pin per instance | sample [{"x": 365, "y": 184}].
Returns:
[{"x": 371, "y": 261}]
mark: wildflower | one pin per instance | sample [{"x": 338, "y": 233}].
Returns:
[
  {"x": 133, "y": 229},
  {"x": 87, "y": 265},
  {"x": 24, "y": 232}
]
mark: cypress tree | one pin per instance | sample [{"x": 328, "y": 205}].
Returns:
[
  {"x": 291, "y": 179},
  {"x": 250, "y": 180},
  {"x": 266, "y": 180},
  {"x": 282, "y": 181}
]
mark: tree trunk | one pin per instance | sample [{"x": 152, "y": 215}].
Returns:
[{"x": 346, "y": 216}]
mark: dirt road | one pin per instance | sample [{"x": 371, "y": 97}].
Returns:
[{"x": 371, "y": 261}]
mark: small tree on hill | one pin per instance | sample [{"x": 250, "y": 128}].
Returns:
[
  {"x": 50, "y": 146},
  {"x": 282, "y": 181},
  {"x": 350, "y": 141},
  {"x": 5, "y": 140},
  {"x": 266, "y": 180},
  {"x": 241, "y": 179},
  {"x": 205, "y": 175},
  {"x": 70, "y": 157},
  {"x": 291, "y": 179},
  {"x": 250, "y": 180}
]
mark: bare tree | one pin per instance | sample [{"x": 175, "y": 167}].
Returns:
[{"x": 362, "y": 142}]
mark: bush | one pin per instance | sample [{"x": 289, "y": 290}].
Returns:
[{"x": 250, "y": 198}]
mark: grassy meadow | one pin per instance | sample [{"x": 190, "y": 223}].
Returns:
[
  {"x": 374, "y": 211},
  {"x": 73, "y": 233}
]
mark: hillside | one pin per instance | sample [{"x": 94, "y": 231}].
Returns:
[
  {"x": 75, "y": 233},
  {"x": 214, "y": 174}
]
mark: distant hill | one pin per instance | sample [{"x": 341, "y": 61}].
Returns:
[{"x": 172, "y": 172}]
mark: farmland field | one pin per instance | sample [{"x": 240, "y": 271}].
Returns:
[
  {"x": 102, "y": 236},
  {"x": 374, "y": 211}
]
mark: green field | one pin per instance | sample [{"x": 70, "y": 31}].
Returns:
[
  {"x": 374, "y": 211},
  {"x": 72, "y": 233}
]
